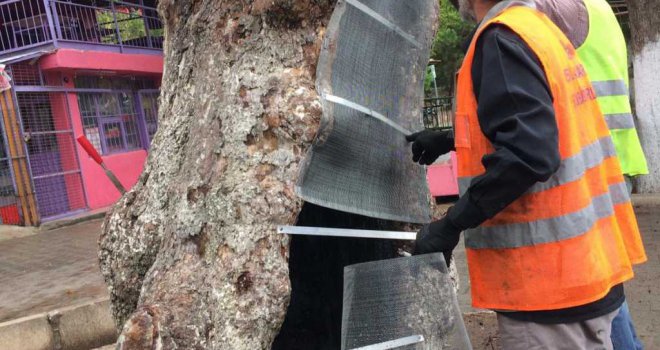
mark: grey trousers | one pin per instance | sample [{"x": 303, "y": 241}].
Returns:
[{"x": 592, "y": 334}]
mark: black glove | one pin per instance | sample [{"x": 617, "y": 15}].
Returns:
[
  {"x": 428, "y": 145},
  {"x": 438, "y": 236}
]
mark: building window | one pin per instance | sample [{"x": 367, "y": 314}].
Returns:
[{"x": 112, "y": 121}]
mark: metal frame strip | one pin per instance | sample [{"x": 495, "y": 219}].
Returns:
[
  {"x": 393, "y": 344},
  {"x": 384, "y": 21},
  {"x": 343, "y": 232},
  {"x": 366, "y": 110}
]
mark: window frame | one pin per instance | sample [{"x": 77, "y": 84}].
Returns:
[{"x": 102, "y": 120}]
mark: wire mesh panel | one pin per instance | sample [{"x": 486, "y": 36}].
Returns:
[
  {"x": 370, "y": 77},
  {"x": 51, "y": 152},
  {"x": 394, "y": 299}
]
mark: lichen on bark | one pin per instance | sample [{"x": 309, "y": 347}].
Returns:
[{"x": 190, "y": 254}]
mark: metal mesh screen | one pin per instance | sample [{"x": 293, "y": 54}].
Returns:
[
  {"x": 110, "y": 121},
  {"x": 52, "y": 154},
  {"x": 398, "y": 298},
  {"x": 25, "y": 74},
  {"x": 370, "y": 77},
  {"x": 8, "y": 199}
]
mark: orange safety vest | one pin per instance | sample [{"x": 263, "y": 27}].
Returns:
[{"x": 568, "y": 240}]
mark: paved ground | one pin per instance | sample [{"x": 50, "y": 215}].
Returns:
[
  {"x": 50, "y": 270},
  {"x": 59, "y": 268},
  {"x": 642, "y": 293},
  {"x": 10, "y": 232}
]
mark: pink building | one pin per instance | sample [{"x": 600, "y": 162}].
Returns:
[{"x": 78, "y": 67}]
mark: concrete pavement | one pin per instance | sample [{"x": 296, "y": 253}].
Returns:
[
  {"x": 52, "y": 295},
  {"x": 49, "y": 270}
]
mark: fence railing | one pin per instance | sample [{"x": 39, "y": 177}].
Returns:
[
  {"x": 24, "y": 24},
  {"x": 29, "y": 23},
  {"x": 437, "y": 113}
]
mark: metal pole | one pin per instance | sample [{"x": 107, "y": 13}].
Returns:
[
  {"x": 145, "y": 20},
  {"x": 142, "y": 121},
  {"x": 52, "y": 23},
  {"x": 435, "y": 84},
  {"x": 114, "y": 17}
]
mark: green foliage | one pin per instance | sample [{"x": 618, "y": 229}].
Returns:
[
  {"x": 447, "y": 46},
  {"x": 131, "y": 26},
  {"x": 428, "y": 81}
]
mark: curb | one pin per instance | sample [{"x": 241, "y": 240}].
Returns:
[
  {"x": 54, "y": 225},
  {"x": 80, "y": 327},
  {"x": 646, "y": 202}
]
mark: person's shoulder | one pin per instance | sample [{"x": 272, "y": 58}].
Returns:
[
  {"x": 570, "y": 16},
  {"x": 499, "y": 33}
]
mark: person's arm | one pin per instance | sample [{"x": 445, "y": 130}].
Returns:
[{"x": 517, "y": 116}]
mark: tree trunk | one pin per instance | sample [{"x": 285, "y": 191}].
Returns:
[
  {"x": 190, "y": 253},
  {"x": 645, "y": 30}
]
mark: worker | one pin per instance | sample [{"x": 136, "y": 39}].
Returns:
[
  {"x": 592, "y": 28},
  {"x": 550, "y": 233}
]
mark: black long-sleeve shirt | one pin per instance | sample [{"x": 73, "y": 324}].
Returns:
[{"x": 516, "y": 114}]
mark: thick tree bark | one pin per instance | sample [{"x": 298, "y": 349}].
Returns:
[
  {"x": 645, "y": 30},
  {"x": 190, "y": 253}
]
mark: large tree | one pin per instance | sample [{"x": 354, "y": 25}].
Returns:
[
  {"x": 645, "y": 30},
  {"x": 190, "y": 253}
]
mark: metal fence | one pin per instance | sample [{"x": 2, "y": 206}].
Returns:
[
  {"x": 108, "y": 22},
  {"x": 24, "y": 24},
  {"x": 52, "y": 155},
  {"x": 437, "y": 113},
  {"x": 22, "y": 209},
  {"x": 8, "y": 198},
  {"x": 28, "y": 23},
  {"x": 620, "y": 7}
]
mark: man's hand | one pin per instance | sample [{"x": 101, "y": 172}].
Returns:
[
  {"x": 428, "y": 145},
  {"x": 438, "y": 236}
]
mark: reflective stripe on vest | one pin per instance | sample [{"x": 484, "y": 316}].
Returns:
[
  {"x": 610, "y": 88},
  {"x": 605, "y": 58},
  {"x": 568, "y": 240},
  {"x": 536, "y": 232},
  {"x": 570, "y": 169},
  {"x": 616, "y": 87}
]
